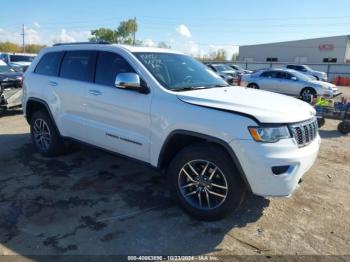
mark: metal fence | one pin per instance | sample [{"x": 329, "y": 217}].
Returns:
[{"x": 332, "y": 69}]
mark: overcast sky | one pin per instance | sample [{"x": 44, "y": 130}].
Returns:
[{"x": 192, "y": 26}]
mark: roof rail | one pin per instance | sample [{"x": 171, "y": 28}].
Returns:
[{"x": 84, "y": 43}]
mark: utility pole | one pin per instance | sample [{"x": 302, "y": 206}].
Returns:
[
  {"x": 135, "y": 31},
  {"x": 23, "y": 44}
]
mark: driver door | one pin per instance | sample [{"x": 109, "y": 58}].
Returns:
[{"x": 117, "y": 119}]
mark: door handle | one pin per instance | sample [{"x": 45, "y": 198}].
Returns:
[
  {"x": 95, "y": 92},
  {"x": 53, "y": 83}
]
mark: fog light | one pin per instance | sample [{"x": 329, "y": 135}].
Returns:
[{"x": 278, "y": 170}]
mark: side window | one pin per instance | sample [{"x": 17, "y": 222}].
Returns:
[
  {"x": 284, "y": 75},
  {"x": 78, "y": 65},
  {"x": 49, "y": 64},
  {"x": 269, "y": 74},
  {"x": 108, "y": 66},
  {"x": 266, "y": 74}
]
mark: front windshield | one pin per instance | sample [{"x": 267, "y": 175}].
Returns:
[
  {"x": 21, "y": 58},
  {"x": 222, "y": 68},
  {"x": 176, "y": 71},
  {"x": 302, "y": 76},
  {"x": 238, "y": 67}
]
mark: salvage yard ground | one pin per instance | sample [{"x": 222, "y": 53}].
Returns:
[{"x": 92, "y": 202}]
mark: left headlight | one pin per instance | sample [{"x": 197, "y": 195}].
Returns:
[{"x": 270, "y": 134}]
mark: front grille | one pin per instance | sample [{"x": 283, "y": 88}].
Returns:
[{"x": 305, "y": 132}]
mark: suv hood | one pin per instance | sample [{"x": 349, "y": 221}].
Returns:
[{"x": 264, "y": 106}]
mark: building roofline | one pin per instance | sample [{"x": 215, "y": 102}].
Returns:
[{"x": 289, "y": 41}]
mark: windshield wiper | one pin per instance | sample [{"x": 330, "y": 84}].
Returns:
[
  {"x": 221, "y": 85},
  {"x": 187, "y": 88}
]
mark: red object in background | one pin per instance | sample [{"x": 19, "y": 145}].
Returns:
[{"x": 341, "y": 81}]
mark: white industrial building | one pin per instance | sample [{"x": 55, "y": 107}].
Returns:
[{"x": 334, "y": 49}]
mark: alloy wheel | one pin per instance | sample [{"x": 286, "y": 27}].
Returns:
[
  {"x": 202, "y": 184},
  {"x": 42, "y": 135}
]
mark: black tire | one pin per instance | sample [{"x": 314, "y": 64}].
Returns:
[
  {"x": 45, "y": 136},
  {"x": 253, "y": 86},
  {"x": 320, "y": 122},
  {"x": 344, "y": 127},
  {"x": 216, "y": 207},
  {"x": 308, "y": 93}
]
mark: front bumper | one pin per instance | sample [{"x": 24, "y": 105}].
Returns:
[
  {"x": 257, "y": 160},
  {"x": 330, "y": 93}
]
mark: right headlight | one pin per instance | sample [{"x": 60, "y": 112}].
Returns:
[{"x": 269, "y": 134}]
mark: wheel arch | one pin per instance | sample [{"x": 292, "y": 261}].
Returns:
[
  {"x": 308, "y": 87},
  {"x": 179, "y": 139},
  {"x": 253, "y": 83},
  {"x": 34, "y": 104}
]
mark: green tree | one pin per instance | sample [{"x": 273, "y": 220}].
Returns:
[
  {"x": 220, "y": 55},
  {"x": 104, "y": 34},
  {"x": 123, "y": 35},
  {"x": 34, "y": 48},
  {"x": 9, "y": 47},
  {"x": 163, "y": 45},
  {"x": 126, "y": 31}
]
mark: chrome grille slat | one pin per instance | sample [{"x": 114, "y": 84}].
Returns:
[{"x": 305, "y": 132}]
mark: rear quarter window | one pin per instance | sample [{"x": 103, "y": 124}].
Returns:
[{"x": 49, "y": 64}]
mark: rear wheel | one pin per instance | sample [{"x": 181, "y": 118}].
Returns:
[
  {"x": 254, "y": 86},
  {"x": 344, "y": 127},
  {"x": 45, "y": 135},
  {"x": 205, "y": 182}
]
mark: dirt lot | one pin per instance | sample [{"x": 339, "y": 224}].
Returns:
[{"x": 91, "y": 202}]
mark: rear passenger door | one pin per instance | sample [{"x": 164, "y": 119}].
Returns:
[
  {"x": 117, "y": 119},
  {"x": 75, "y": 76}
]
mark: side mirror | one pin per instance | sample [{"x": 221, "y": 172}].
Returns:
[
  {"x": 131, "y": 81},
  {"x": 294, "y": 78}
]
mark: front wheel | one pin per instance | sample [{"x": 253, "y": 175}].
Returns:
[
  {"x": 205, "y": 182},
  {"x": 254, "y": 86},
  {"x": 307, "y": 94}
]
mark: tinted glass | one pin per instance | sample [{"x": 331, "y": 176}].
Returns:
[
  {"x": 284, "y": 75},
  {"x": 270, "y": 74},
  {"x": 78, "y": 65},
  {"x": 49, "y": 64},
  {"x": 176, "y": 71},
  {"x": 21, "y": 58},
  {"x": 108, "y": 66}
]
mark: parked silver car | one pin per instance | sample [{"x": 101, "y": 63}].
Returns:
[
  {"x": 240, "y": 70},
  {"x": 318, "y": 75},
  {"x": 225, "y": 72},
  {"x": 289, "y": 82}
]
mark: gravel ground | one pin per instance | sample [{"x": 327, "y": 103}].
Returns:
[{"x": 92, "y": 202}]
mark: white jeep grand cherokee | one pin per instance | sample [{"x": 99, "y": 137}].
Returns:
[{"x": 166, "y": 109}]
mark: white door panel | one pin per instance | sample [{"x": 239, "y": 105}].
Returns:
[
  {"x": 119, "y": 120},
  {"x": 70, "y": 95}
]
